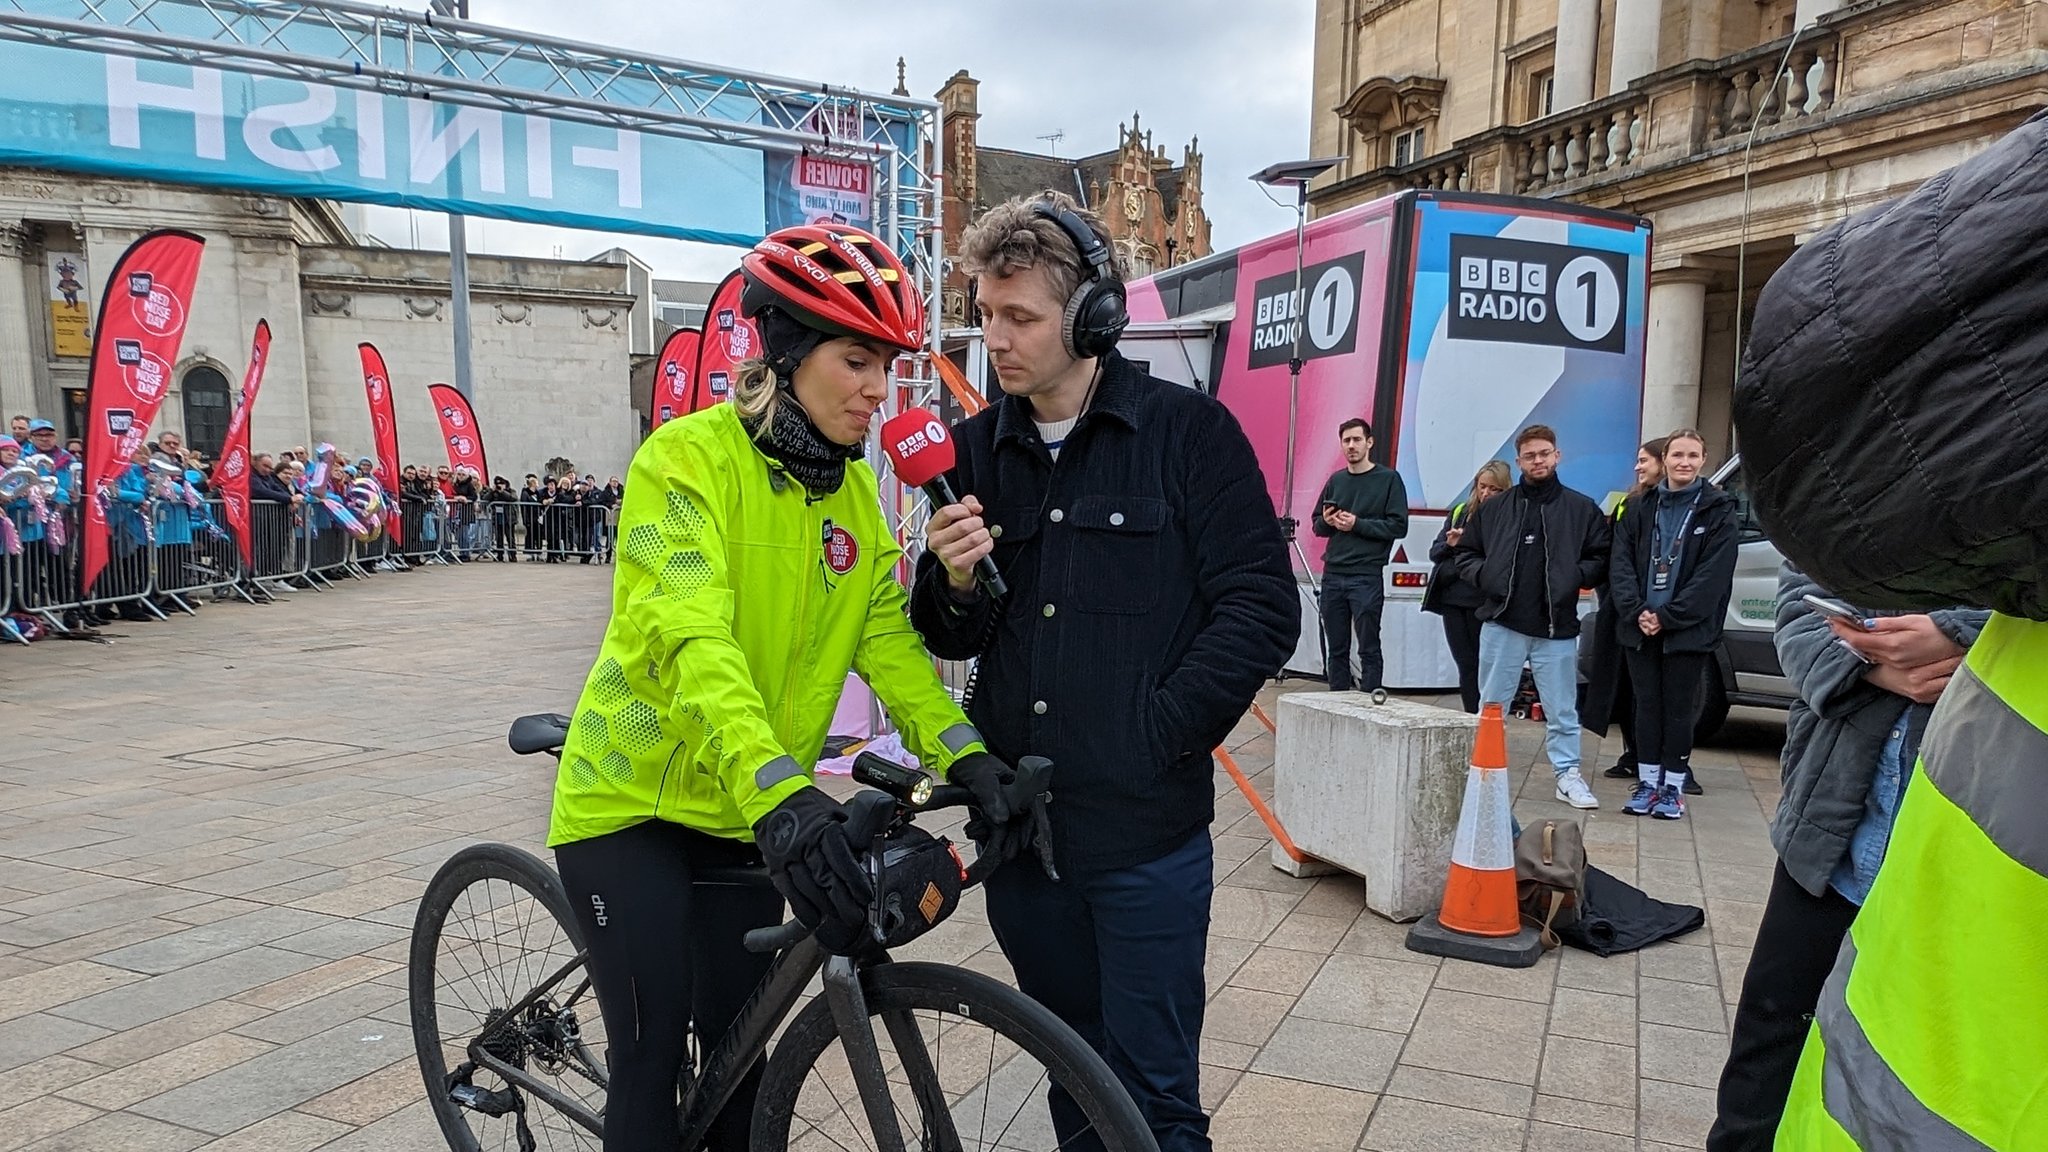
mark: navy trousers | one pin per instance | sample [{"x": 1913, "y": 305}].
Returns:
[{"x": 1118, "y": 955}]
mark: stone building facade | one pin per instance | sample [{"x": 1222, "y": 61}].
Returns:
[
  {"x": 551, "y": 340},
  {"x": 1152, "y": 206},
  {"x": 1647, "y": 106}
]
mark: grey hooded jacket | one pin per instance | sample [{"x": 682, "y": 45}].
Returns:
[{"x": 1836, "y": 729}]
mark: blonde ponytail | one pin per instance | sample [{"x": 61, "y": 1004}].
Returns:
[{"x": 754, "y": 394}]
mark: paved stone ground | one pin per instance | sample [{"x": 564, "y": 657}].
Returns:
[{"x": 214, "y": 831}]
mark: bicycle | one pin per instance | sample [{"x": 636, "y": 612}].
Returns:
[{"x": 532, "y": 1061}]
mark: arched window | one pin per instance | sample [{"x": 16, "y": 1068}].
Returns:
[{"x": 207, "y": 409}]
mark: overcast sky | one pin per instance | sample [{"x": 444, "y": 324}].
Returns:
[{"x": 1235, "y": 74}]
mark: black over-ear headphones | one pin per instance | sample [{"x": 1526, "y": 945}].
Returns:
[{"x": 1095, "y": 314}]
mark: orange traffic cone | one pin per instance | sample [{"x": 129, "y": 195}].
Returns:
[{"x": 1479, "y": 919}]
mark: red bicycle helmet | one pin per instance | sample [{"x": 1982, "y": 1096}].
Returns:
[{"x": 839, "y": 280}]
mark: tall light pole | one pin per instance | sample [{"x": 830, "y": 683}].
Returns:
[
  {"x": 458, "y": 246},
  {"x": 1297, "y": 174}
]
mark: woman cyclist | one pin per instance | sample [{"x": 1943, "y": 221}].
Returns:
[{"x": 754, "y": 570}]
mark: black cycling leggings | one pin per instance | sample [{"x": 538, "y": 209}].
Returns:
[{"x": 664, "y": 955}]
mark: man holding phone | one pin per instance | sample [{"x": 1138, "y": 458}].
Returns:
[{"x": 1362, "y": 511}]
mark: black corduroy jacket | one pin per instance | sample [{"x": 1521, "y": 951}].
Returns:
[{"x": 1150, "y": 596}]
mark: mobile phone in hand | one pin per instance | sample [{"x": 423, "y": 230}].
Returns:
[{"x": 1836, "y": 610}]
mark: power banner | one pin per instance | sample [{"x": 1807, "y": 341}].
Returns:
[
  {"x": 384, "y": 430},
  {"x": 102, "y": 113},
  {"x": 232, "y": 474},
  {"x": 728, "y": 339},
  {"x": 142, "y": 321},
  {"x": 674, "y": 376},
  {"x": 465, "y": 441}
]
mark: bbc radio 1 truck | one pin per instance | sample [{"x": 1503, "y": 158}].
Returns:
[{"x": 1448, "y": 320}]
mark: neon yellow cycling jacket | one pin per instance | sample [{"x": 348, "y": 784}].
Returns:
[{"x": 739, "y": 605}]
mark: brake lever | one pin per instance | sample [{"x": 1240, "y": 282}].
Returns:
[{"x": 1041, "y": 834}]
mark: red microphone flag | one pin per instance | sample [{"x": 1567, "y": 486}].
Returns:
[
  {"x": 675, "y": 377},
  {"x": 232, "y": 474},
  {"x": 383, "y": 432},
  {"x": 919, "y": 448},
  {"x": 141, "y": 324}
]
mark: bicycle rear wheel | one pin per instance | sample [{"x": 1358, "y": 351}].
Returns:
[
  {"x": 972, "y": 1064},
  {"x": 493, "y": 926}
]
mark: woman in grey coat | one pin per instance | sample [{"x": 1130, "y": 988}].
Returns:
[{"x": 1851, "y": 740}]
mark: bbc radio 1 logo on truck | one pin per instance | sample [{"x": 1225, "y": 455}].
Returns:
[
  {"x": 1525, "y": 292},
  {"x": 1330, "y": 315}
]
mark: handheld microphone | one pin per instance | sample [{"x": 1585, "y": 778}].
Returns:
[{"x": 920, "y": 452}]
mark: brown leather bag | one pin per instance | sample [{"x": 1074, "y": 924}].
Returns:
[{"x": 1550, "y": 876}]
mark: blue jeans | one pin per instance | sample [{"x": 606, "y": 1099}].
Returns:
[
  {"x": 1353, "y": 604},
  {"x": 1118, "y": 956},
  {"x": 1502, "y": 652}
]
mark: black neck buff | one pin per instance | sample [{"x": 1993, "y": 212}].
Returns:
[{"x": 795, "y": 443}]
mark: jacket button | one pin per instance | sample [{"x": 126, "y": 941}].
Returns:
[
  {"x": 1116, "y": 518},
  {"x": 1038, "y": 707},
  {"x": 995, "y": 532},
  {"x": 1058, "y": 515},
  {"x": 1048, "y": 610}
]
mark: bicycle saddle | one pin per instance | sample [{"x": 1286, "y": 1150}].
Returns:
[{"x": 544, "y": 732}]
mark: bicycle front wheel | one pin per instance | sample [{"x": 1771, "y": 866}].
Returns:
[{"x": 972, "y": 1064}]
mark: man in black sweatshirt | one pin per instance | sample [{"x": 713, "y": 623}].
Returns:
[
  {"x": 1529, "y": 552},
  {"x": 1363, "y": 510}
]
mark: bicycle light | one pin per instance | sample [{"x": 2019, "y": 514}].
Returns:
[{"x": 906, "y": 784}]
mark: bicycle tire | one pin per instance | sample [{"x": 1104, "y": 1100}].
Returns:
[
  {"x": 478, "y": 862},
  {"x": 1017, "y": 1018}
]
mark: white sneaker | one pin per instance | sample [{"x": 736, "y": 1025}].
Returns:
[{"x": 1571, "y": 788}]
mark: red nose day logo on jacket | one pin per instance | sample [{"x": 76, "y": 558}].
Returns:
[{"x": 842, "y": 551}]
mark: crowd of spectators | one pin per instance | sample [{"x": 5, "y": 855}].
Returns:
[{"x": 309, "y": 509}]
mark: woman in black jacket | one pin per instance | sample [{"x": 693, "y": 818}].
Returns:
[
  {"x": 1609, "y": 699},
  {"x": 529, "y": 515},
  {"x": 1671, "y": 575},
  {"x": 1453, "y": 599},
  {"x": 504, "y": 503}
]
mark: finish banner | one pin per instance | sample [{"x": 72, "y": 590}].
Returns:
[
  {"x": 728, "y": 339},
  {"x": 673, "y": 377},
  {"x": 142, "y": 322},
  {"x": 232, "y": 474},
  {"x": 384, "y": 432},
  {"x": 459, "y": 432}
]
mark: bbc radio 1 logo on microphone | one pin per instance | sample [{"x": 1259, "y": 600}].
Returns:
[{"x": 1525, "y": 292}]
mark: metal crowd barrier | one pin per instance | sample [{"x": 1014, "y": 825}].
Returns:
[
  {"x": 195, "y": 550},
  {"x": 274, "y": 553},
  {"x": 329, "y": 552},
  {"x": 575, "y": 531}
]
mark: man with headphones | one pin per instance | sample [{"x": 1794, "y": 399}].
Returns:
[{"x": 1149, "y": 598}]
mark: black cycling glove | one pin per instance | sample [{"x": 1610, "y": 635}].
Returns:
[
  {"x": 815, "y": 867},
  {"x": 988, "y": 778}
]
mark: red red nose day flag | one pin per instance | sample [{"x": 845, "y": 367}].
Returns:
[
  {"x": 142, "y": 321},
  {"x": 232, "y": 475},
  {"x": 674, "y": 377},
  {"x": 728, "y": 339},
  {"x": 459, "y": 432},
  {"x": 383, "y": 429}
]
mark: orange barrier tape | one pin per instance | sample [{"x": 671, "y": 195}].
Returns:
[
  {"x": 956, "y": 383},
  {"x": 1259, "y": 805}
]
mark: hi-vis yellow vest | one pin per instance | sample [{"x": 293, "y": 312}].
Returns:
[
  {"x": 1932, "y": 1031},
  {"x": 739, "y": 605}
]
